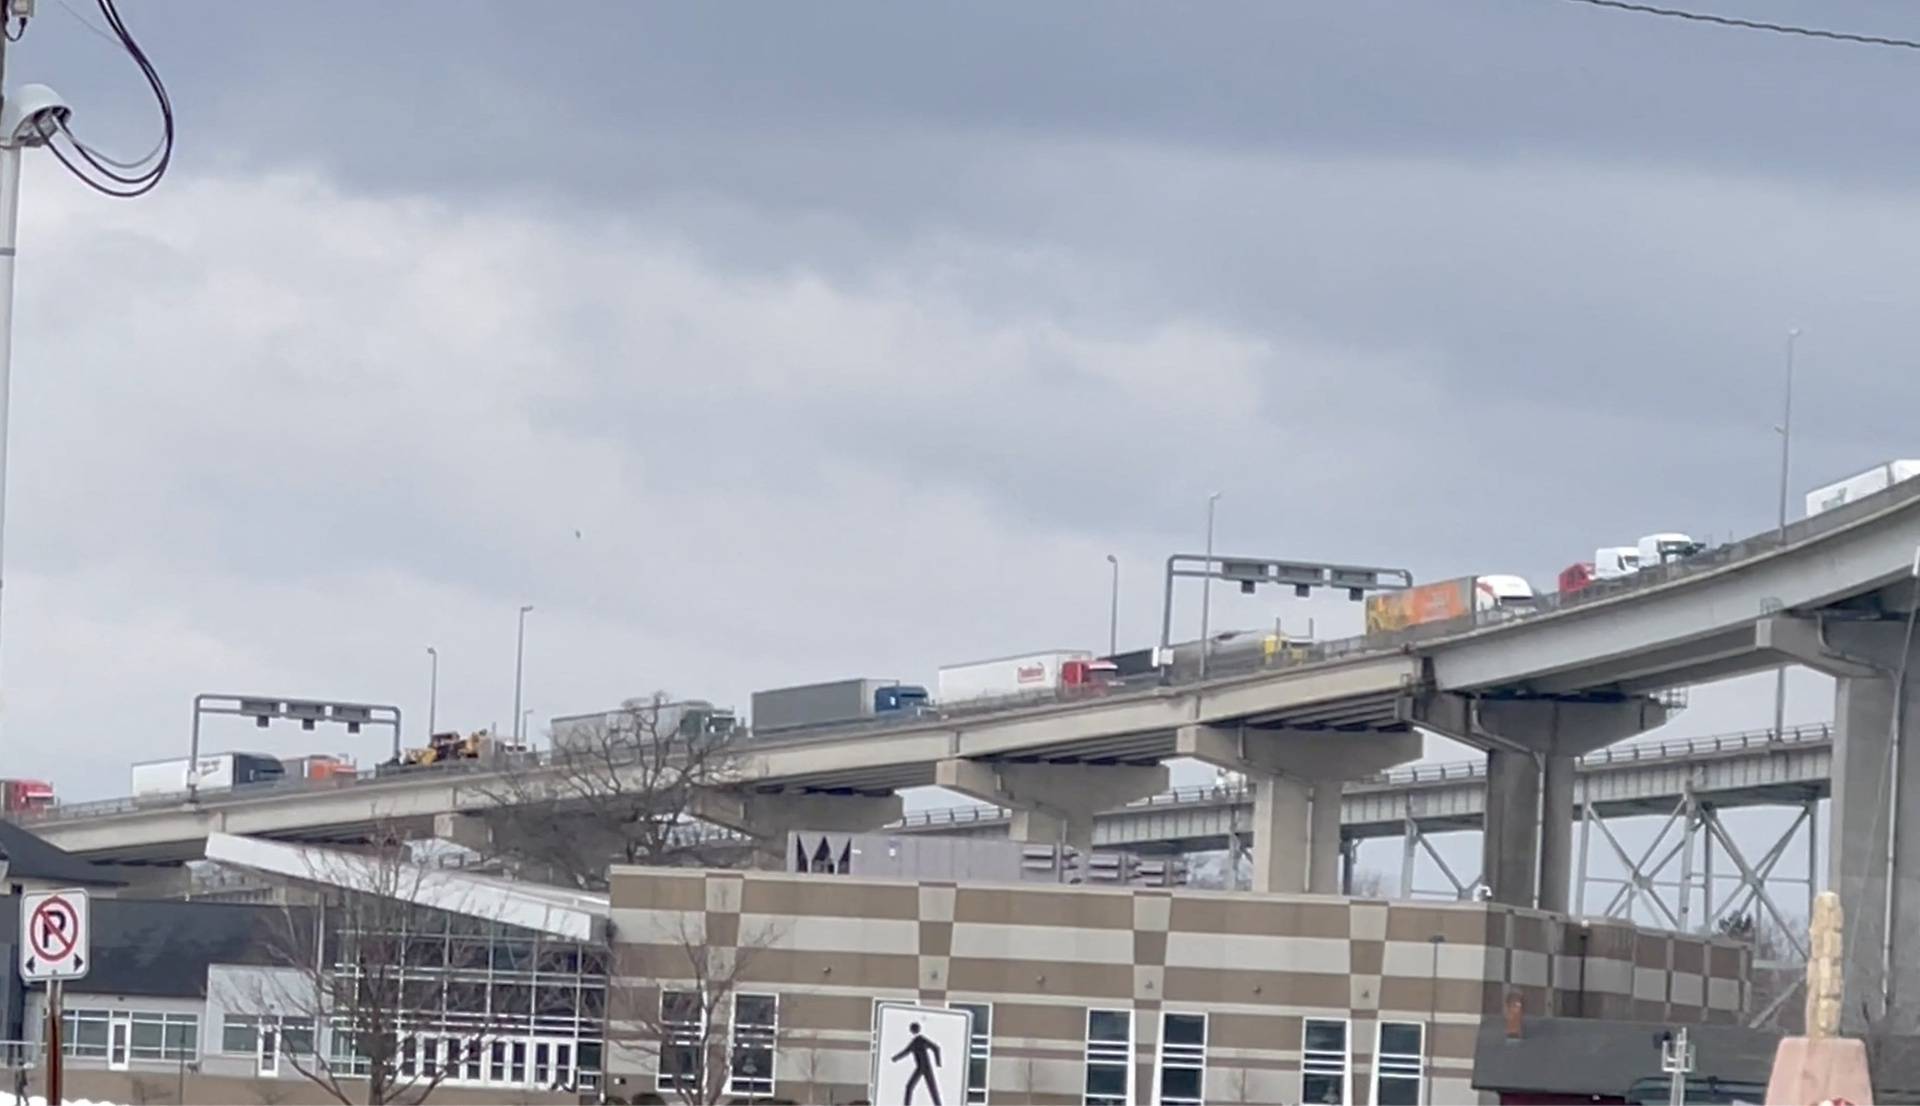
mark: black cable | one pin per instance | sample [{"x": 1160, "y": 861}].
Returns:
[
  {"x": 1752, "y": 24},
  {"x": 17, "y": 33},
  {"x": 140, "y": 176}
]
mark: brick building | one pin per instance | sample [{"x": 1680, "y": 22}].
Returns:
[{"x": 1119, "y": 995}]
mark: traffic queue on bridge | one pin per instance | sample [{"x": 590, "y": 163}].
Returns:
[{"x": 1041, "y": 674}]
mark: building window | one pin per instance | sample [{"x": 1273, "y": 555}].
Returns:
[
  {"x": 1183, "y": 1059},
  {"x": 1109, "y": 1057},
  {"x": 756, "y": 1027},
  {"x": 151, "y": 1035},
  {"x": 158, "y": 1036},
  {"x": 683, "y": 1020},
  {"x": 979, "y": 1048},
  {"x": 84, "y": 1032},
  {"x": 1398, "y": 1063},
  {"x": 1324, "y": 1062},
  {"x": 240, "y": 1033}
]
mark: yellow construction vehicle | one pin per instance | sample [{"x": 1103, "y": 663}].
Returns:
[{"x": 442, "y": 747}]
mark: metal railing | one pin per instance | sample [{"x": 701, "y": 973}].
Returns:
[
  {"x": 1222, "y": 667},
  {"x": 1676, "y": 749}
]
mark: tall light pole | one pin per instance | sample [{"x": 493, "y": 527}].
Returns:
[
  {"x": 1113, "y": 609},
  {"x": 27, "y": 117},
  {"x": 519, "y": 669},
  {"x": 1786, "y": 453},
  {"x": 1206, "y": 589},
  {"x": 433, "y": 691}
]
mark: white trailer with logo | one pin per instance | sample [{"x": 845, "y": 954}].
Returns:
[
  {"x": 1876, "y": 479},
  {"x": 1021, "y": 674}
]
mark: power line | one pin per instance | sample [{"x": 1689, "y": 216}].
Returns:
[
  {"x": 1753, "y": 24},
  {"x": 87, "y": 163}
]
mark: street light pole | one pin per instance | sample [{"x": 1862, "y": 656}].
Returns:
[
  {"x": 1113, "y": 611},
  {"x": 519, "y": 669},
  {"x": 433, "y": 691},
  {"x": 1786, "y": 448},
  {"x": 1206, "y": 589},
  {"x": 26, "y": 118}
]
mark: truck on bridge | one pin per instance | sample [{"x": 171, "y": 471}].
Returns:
[
  {"x": 1388, "y": 611},
  {"x": 216, "y": 772},
  {"x": 1878, "y": 478},
  {"x": 837, "y": 702},
  {"x": 1025, "y": 673}
]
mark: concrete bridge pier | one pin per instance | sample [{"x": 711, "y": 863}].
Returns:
[
  {"x": 1297, "y": 777},
  {"x": 770, "y": 818},
  {"x": 1875, "y": 808},
  {"x": 1052, "y": 804},
  {"x": 1532, "y": 748}
]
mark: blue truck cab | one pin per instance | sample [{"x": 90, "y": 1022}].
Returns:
[{"x": 900, "y": 699}]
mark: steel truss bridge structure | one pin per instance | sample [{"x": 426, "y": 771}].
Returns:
[{"x": 1695, "y": 872}]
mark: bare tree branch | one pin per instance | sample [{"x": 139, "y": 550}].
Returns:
[
  {"x": 359, "y": 1006},
  {"x": 619, "y": 789},
  {"x": 687, "y": 1011}
]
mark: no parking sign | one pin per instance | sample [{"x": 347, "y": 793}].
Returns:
[{"x": 54, "y": 935}]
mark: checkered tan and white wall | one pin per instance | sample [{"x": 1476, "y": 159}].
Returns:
[{"x": 1038, "y": 959}]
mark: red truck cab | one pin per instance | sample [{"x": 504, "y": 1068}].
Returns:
[
  {"x": 1575, "y": 577},
  {"x": 25, "y": 796}
]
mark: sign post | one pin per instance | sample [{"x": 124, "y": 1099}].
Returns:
[
  {"x": 55, "y": 946},
  {"x": 920, "y": 1055}
]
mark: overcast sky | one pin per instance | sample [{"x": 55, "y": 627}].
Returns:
[{"x": 756, "y": 346}]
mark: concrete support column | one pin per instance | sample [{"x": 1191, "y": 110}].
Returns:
[
  {"x": 1297, "y": 777},
  {"x": 1323, "y": 843},
  {"x": 1510, "y": 845},
  {"x": 1282, "y": 819},
  {"x": 771, "y": 818},
  {"x": 466, "y": 830},
  {"x": 1874, "y": 801},
  {"x": 1052, "y": 803},
  {"x": 1556, "y": 832}
]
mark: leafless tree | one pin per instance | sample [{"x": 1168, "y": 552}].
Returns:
[
  {"x": 622, "y": 789},
  {"x": 1779, "y": 971},
  {"x": 358, "y": 988},
  {"x": 1370, "y": 883},
  {"x": 687, "y": 1009}
]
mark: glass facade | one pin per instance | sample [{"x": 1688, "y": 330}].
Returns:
[{"x": 482, "y": 1003}]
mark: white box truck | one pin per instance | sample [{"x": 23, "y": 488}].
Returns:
[
  {"x": 1876, "y": 479},
  {"x": 1017, "y": 675},
  {"x": 218, "y": 772}
]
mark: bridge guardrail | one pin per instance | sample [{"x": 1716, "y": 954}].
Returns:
[{"x": 1220, "y": 668}]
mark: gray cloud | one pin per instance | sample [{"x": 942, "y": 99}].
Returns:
[{"x": 853, "y": 341}]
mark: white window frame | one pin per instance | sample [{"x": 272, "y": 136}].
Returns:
[
  {"x": 675, "y": 1034},
  {"x": 1108, "y": 1054},
  {"x": 1402, "y": 1067},
  {"x": 771, "y": 1044},
  {"x": 1187, "y": 1057},
  {"x": 979, "y": 1047},
  {"x": 1319, "y": 1062},
  {"x": 119, "y": 1040}
]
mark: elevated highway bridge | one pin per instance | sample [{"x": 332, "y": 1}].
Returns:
[{"x": 1535, "y": 692}]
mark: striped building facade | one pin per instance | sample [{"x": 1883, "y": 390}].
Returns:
[{"x": 1120, "y": 995}]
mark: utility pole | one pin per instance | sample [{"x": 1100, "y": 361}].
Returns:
[
  {"x": 1113, "y": 614},
  {"x": 1206, "y": 589},
  {"x": 1786, "y": 454},
  {"x": 519, "y": 669},
  {"x": 433, "y": 691}
]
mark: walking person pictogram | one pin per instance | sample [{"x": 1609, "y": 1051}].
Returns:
[{"x": 921, "y": 1049}]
